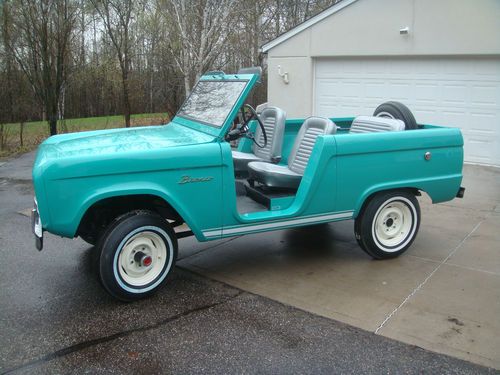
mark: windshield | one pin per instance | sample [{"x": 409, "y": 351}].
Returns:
[{"x": 211, "y": 102}]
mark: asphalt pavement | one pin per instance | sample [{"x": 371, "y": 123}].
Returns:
[{"x": 56, "y": 318}]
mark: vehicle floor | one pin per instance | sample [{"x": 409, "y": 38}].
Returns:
[
  {"x": 259, "y": 199},
  {"x": 244, "y": 203}
]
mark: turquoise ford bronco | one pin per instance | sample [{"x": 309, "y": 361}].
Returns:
[{"x": 128, "y": 191}]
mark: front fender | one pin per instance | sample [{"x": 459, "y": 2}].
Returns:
[{"x": 72, "y": 188}]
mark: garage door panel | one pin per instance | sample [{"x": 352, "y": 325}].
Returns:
[
  {"x": 454, "y": 93},
  {"x": 457, "y": 117},
  {"x": 481, "y": 121},
  {"x": 456, "y": 70},
  {"x": 426, "y": 69},
  {"x": 377, "y": 68},
  {"x": 374, "y": 90},
  {"x": 329, "y": 88},
  {"x": 488, "y": 71},
  {"x": 351, "y": 89},
  {"x": 487, "y": 95},
  {"x": 461, "y": 92},
  {"x": 428, "y": 116},
  {"x": 477, "y": 149},
  {"x": 426, "y": 93},
  {"x": 396, "y": 69},
  {"x": 400, "y": 89},
  {"x": 352, "y": 68},
  {"x": 344, "y": 110}
]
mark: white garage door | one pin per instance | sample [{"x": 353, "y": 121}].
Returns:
[{"x": 457, "y": 92}]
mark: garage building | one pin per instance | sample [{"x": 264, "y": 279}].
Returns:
[{"x": 440, "y": 58}]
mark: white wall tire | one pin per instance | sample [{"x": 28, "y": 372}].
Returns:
[
  {"x": 388, "y": 224},
  {"x": 138, "y": 252}
]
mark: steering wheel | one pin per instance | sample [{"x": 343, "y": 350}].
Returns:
[{"x": 244, "y": 131}]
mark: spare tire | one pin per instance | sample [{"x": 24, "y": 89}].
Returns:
[{"x": 398, "y": 111}]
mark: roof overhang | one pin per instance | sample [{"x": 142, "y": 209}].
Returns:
[{"x": 306, "y": 24}]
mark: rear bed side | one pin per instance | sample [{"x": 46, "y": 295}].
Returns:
[
  {"x": 346, "y": 169},
  {"x": 367, "y": 163}
]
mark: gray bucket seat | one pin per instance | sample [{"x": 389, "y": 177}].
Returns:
[
  {"x": 281, "y": 176},
  {"x": 273, "y": 119}
]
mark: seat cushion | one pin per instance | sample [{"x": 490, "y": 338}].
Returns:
[
  {"x": 274, "y": 175},
  {"x": 241, "y": 160}
]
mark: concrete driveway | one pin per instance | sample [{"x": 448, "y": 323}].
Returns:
[{"x": 443, "y": 294}]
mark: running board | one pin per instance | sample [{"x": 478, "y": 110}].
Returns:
[
  {"x": 258, "y": 196},
  {"x": 187, "y": 233},
  {"x": 272, "y": 199}
]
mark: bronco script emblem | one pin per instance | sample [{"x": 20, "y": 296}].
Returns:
[{"x": 189, "y": 179}]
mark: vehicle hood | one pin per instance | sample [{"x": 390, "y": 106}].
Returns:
[{"x": 119, "y": 141}]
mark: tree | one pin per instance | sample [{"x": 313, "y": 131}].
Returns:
[
  {"x": 8, "y": 59},
  {"x": 199, "y": 31},
  {"x": 107, "y": 57},
  {"x": 40, "y": 43},
  {"x": 117, "y": 18}
]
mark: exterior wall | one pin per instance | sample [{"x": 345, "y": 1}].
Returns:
[
  {"x": 371, "y": 28},
  {"x": 294, "y": 97},
  {"x": 444, "y": 27}
]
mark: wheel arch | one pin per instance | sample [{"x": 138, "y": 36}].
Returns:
[
  {"x": 107, "y": 206},
  {"x": 370, "y": 194}
]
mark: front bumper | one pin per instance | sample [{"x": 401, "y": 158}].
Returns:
[{"x": 36, "y": 227}]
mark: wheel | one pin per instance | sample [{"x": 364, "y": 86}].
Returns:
[
  {"x": 138, "y": 252},
  {"x": 388, "y": 225},
  {"x": 398, "y": 111}
]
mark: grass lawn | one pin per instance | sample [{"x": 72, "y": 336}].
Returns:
[{"x": 35, "y": 132}]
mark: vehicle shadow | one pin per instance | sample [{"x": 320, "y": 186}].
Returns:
[
  {"x": 90, "y": 259},
  {"x": 321, "y": 241}
]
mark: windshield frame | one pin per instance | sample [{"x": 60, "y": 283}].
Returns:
[{"x": 220, "y": 131}]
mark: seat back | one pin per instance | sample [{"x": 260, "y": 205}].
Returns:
[
  {"x": 371, "y": 124},
  {"x": 260, "y": 108},
  {"x": 273, "y": 119},
  {"x": 304, "y": 143}
]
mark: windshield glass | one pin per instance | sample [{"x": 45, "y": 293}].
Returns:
[{"x": 211, "y": 102}]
